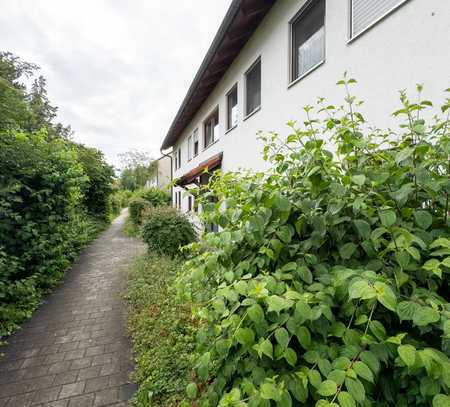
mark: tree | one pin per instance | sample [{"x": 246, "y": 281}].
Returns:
[
  {"x": 20, "y": 110},
  {"x": 138, "y": 168}
]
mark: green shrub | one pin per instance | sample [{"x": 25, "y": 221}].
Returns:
[
  {"x": 118, "y": 200},
  {"x": 165, "y": 230},
  {"x": 160, "y": 327},
  {"x": 43, "y": 222},
  {"x": 137, "y": 206},
  {"x": 156, "y": 197},
  {"x": 328, "y": 282},
  {"x": 97, "y": 190}
]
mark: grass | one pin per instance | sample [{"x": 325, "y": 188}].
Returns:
[
  {"x": 162, "y": 332},
  {"x": 130, "y": 229}
]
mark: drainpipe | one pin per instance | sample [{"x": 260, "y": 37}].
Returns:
[{"x": 171, "y": 174}]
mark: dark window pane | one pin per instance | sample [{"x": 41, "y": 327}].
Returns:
[
  {"x": 253, "y": 88},
  {"x": 232, "y": 108},
  {"x": 212, "y": 128},
  {"x": 308, "y": 39}
]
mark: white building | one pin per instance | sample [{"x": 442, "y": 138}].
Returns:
[
  {"x": 161, "y": 177},
  {"x": 270, "y": 58}
]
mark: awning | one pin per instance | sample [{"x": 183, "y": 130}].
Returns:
[{"x": 192, "y": 176}]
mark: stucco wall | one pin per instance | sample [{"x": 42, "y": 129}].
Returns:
[{"x": 408, "y": 46}]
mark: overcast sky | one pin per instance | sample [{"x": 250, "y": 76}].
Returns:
[{"x": 117, "y": 69}]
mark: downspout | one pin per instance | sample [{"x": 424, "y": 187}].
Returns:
[{"x": 171, "y": 174}]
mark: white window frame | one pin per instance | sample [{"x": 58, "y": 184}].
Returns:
[
  {"x": 258, "y": 108},
  {"x": 231, "y": 126},
  {"x": 352, "y": 37},
  {"x": 195, "y": 136},
  {"x": 205, "y": 122},
  {"x": 291, "y": 80},
  {"x": 190, "y": 147}
]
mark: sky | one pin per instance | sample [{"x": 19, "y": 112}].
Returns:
[{"x": 118, "y": 70}]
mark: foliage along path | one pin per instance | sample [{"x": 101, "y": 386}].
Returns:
[{"x": 74, "y": 350}]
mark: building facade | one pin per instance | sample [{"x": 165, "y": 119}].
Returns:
[
  {"x": 271, "y": 58},
  {"x": 162, "y": 175}
]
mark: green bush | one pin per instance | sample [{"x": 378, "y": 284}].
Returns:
[
  {"x": 118, "y": 200},
  {"x": 160, "y": 327},
  {"x": 165, "y": 230},
  {"x": 97, "y": 190},
  {"x": 43, "y": 222},
  {"x": 156, "y": 197},
  {"x": 328, "y": 282},
  {"x": 137, "y": 206}
]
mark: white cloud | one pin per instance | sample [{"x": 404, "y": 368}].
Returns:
[{"x": 118, "y": 70}]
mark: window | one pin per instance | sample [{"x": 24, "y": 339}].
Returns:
[
  {"x": 190, "y": 148},
  {"x": 178, "y": 200},
  {"x": 365, "y": 13},
  {"x": 308, "y": 39},
  {"x": 253, "y": 88},
  {"x": 232, "y": 108},
  {"x": 189, "y": 203},
  {"x": 195, "y": 141},
  {"x": 211, "y": 126},
  {"x": 175, "y": 161}
]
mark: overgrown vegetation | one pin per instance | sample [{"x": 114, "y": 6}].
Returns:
[
  {"x": 162, "y": 332},
  {"x": 54, "y": 193},
  {"x": 144, "y": 199},
  {"x": 328, "y": 282},
  {"x": 165, "y": 230}
]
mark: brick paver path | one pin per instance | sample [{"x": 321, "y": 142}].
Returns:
[{"x": 74, "y": 351}]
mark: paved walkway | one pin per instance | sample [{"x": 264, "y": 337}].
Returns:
[{"x": 74, "y": 351}]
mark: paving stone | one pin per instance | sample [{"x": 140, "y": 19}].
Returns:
[
  {"x": 95, "y": 350},
  {"x": 72, "y": 389},
  {"x": 97, "y": 383},
  {"x": 58, "y": 403},
  {"x": 65, "y": 378},
  {"x": 85, "y": 400},
  {"x": 46, "y": 395},
  {"x": 106, "y": 397},
  {"x": 74, "y": 352},
  {"x": 21, "y": 400},
  {"x": 89, "y": 373},
  {"x": 80, "y": 363}
]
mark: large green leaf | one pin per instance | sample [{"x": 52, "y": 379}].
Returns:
[
  {"x": 423, "y": 219},
  {"x": 346, "y": 251},
  {"x": 356, "y": 389},
  {"x": 282, "y": 337},
  {"x": 362, "y": 370},
  {"x": 346, "y": 400},
  {"x": 327, "y": 388},
  {"x": 408, "y": 354},
  {"x": 245, "y": 336},
  {"x": 388, "y": 218},
  {"x": 363, "y": 228}
]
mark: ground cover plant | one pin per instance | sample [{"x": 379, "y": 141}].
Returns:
[
  {"x": 327, "y": 284},
  {"x": 162, "y": 332}
]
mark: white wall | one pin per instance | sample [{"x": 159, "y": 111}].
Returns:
[{"x": 409, "y": 46}]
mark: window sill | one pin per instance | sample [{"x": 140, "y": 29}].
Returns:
[
  {"x": 231, "y": 129},
  {"x": 209, "y": 145},
  {"x": 252, "y": 113},
  {"x": 304, "y": 75}
]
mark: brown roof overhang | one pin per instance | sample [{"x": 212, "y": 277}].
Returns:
[
  {"x": 191, "y": 177},
  {"x": 240, "y": 22}
]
